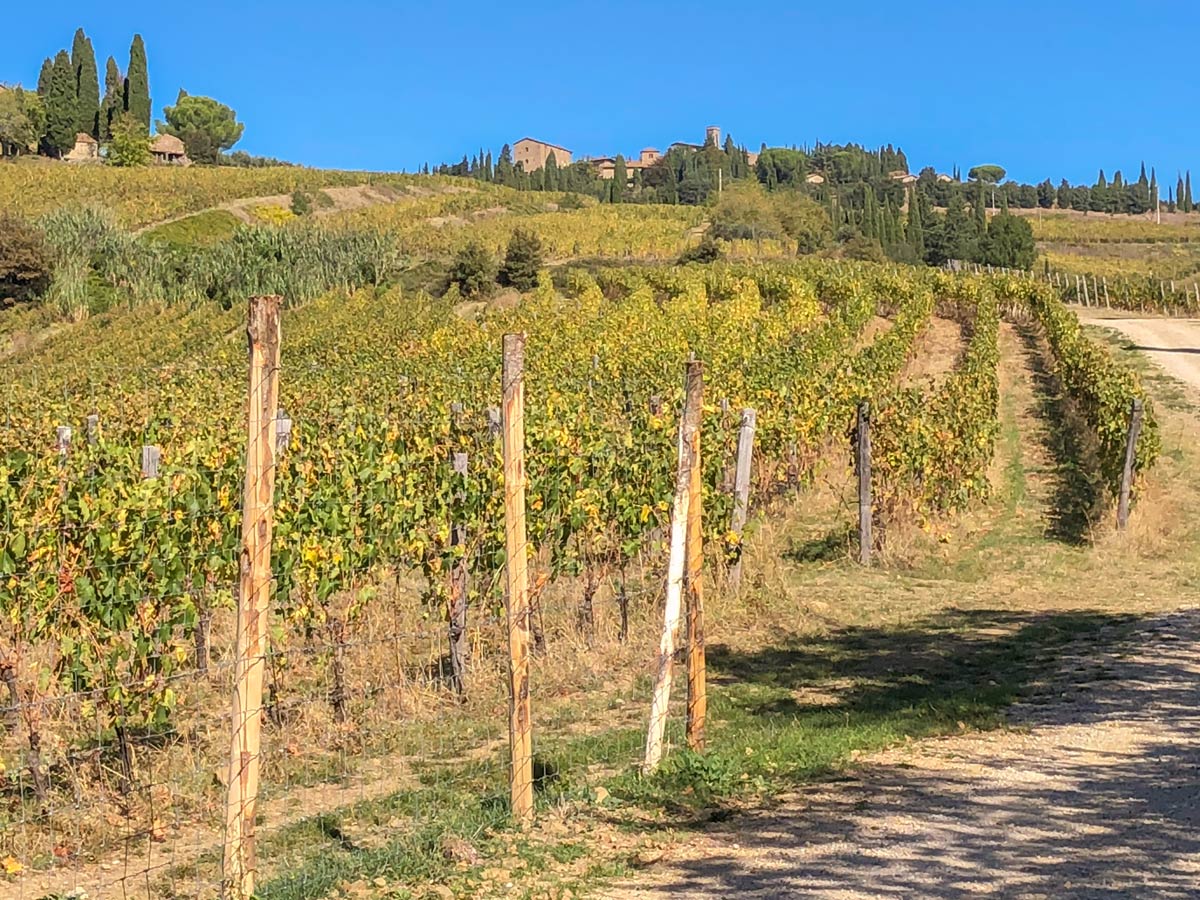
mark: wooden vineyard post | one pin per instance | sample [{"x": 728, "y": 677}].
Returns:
[
  {"x": 254, "y": 594},
  {"x": 741, "y": 491},
  {"x": 863, "y": 466},
  {"x": 697, "y": 696},
  {"x": 151, "y": 457},
  {"x": 517, "y": 572},
  {"x": 676, "y": 569},
  {"x": 1135, "y": 428},
  {"x": 458, "y": 589}
]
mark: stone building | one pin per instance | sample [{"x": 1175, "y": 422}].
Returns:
[
  {"x": 86, "y": 149},
  {"x": 532, "y": 154},
  {"x": 606, "y": 166},
  {"x": 168, "y": 150}
]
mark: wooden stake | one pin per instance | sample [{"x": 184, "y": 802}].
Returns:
[
  {"x": 676, "y": 566},
  {"x": 863, "y": 466},
  {"x": 457, "y": 616},
  {"x": 151, "y": 457},
  {"x": 516, "y": 569},
  {"x": 697, "y": 696},
  {"x": 1135, "y": 428},
  {"x": 254, "y": 595},
  {"x": 741, "y": 491}
]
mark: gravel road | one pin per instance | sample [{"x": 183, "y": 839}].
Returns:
[
  {"x": 1098, "y": 798},
  {"x": 1174, "y": 344}
]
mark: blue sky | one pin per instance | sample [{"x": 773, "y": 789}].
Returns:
[{"x": 1053, "y": 88}]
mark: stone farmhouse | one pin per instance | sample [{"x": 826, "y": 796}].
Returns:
[
  {"x": 168, "y": 150},
  {"x": 86, "y": 149},
  {"x": 532, "y": 154}
]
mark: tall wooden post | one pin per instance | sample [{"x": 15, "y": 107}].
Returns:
[
  {"x": 741, "y": 491},
  {"x": 863, "y": 458},
  {"x": 517, "y": 572},
  {"x": 697, "y": 696},
  {"x": 1135, "y": 427},
  {"x": 254, "y": 595},
  {"x": 457, "y": 613},
  {"x": 676, "y": 566}
]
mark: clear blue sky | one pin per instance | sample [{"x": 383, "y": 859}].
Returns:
[{"x": 1050, "y": 88}]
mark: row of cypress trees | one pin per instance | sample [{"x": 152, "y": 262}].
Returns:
[{"x": 69, "y": 87}]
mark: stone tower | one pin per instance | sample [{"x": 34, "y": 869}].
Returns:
[{"x": 712, "y": 135}]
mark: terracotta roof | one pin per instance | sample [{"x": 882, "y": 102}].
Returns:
[{"x": 167, "y": 143}]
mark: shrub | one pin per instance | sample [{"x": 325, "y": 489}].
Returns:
[
  {"x": 25, "y": 266},
  {"x": 474, "y": 270},
  {"x": 301, "y": 203},
  {"x": 522, "y": 261},
  {"x": 708, "y": 250}
]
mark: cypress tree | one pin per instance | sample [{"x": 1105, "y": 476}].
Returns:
[
  {"x": 43, "y": 88},
  {"x": 550, "y": 173},
  {"x": 1177, "y": 200},
  {"x": 979, "y": 208},
  {"x": 1187, "y": 192},
  {"x": 114, "y": 102},
  {"x": 137, "y": 83},
  {"x": 1153, "y": 187},
  {"x": 87, "y": 85},
  {"x": 916, "y": 226},
  {"x": 60, "y": 106}
]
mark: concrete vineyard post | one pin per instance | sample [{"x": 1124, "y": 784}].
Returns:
[
  {"x": 283, "y": 432},
  {"x": 62, "y": 440},
  {"x": 741, "y": 491},
  {"x": 254, "y": 596},
  {"x": 863, "y": 467},
  {"x": 1136, "y": 413},
  {"x": 458, "y": 588},
  {"x": 671, "y": 614},
  {"x": 93, "y": 429},
  {"x": 697, "y": 696},
  {"x": 517, "y": 575}
]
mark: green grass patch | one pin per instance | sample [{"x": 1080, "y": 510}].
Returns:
[
  {"x": 779, "y": 716},
  {"x": 201, "y": 230}
]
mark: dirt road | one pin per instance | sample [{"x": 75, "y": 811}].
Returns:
[
  {"x": 1099, "y": 798},
  {"x": 1173, "y": 344}
]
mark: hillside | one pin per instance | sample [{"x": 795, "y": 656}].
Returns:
[{"x": 998, "y": 434}]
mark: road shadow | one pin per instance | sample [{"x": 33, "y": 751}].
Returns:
[
  {"x": 1091, "y": 814},
  {"x": 1078, "y": 494}
]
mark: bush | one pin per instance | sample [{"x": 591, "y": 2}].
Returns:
[
  {"x": 708, "y": 250},
  {"x": 473, "y": 270},
  {"x": 25, "y": 266},
  {"x": 301, "y": 203},
  {"x": 522, "y": 261}
]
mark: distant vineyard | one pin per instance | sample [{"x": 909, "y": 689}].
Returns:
[{"x": 144, "y": 196}]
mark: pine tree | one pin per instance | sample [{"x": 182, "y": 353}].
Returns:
[
  {"x": 87, "y": 85},
  {"x": 114, "y": 103},
  {"x": 60, "y": 106},
  {"x": 137, "y": 83},
  {"x": 43, "y": 88}
]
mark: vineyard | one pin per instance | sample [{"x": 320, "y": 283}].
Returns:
[{"x": 123, "y": 455}]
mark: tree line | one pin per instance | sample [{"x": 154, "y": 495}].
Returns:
[{"x": 68, "y": 102}]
